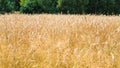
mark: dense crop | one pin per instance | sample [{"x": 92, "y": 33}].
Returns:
[{"x": 59, "y": 41}]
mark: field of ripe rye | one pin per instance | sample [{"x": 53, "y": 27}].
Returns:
[{"x": 59, "y": 41}]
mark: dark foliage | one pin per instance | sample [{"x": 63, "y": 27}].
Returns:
[{"x": 61, "y": 6}]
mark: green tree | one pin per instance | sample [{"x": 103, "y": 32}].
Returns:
[
  {"x": 66, "y": 6},
  {"x": 38, "y": 6},
  {"x": 72, "y": 6},
  {"x": 117, "y": 7},
  {"x": 61, "y": 6},
  {"x": 6, "y": 6},
  {"x": 101, "y": 6},
  {"x": 83, "y": 4},
  {"x": 49, "y": 6},
  {"x": 31, "y": 6},
  {"x": 17, "y": 5}
]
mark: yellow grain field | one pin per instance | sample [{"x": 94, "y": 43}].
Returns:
[{"x": 59, "y": 41}]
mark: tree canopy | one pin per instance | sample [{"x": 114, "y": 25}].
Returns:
[{"x": 61, "y": 6}]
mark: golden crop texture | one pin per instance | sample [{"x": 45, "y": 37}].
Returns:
[{"x": 59, "y": 41}]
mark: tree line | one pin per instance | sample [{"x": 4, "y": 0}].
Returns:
[{"x": 61, "y": 6}]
